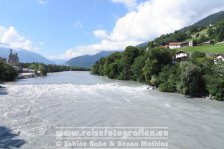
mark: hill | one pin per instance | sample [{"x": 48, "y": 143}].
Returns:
[
  {"x": 213, "y": 19},
  {"x": 25, "y": 56},
  {"x": 87, "y": 61},
  {"x": 142, "y": 45},
  {"x": 198, "y": 34}
]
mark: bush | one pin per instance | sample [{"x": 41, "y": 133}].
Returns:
[
  {"x": 215, "y": 86},
  {"x": 43, "y": 70},
  {"x": 156, "y": 59},
  {"x": 7, "y": 72},
  {"x": 136, "y": 69},
  {"x": 113, "y": 71},
  {"x": 168, "y": 78},
  {"x": 191, "y": 81},
  {"x": 197, "y": 54},
  {"x": 167, "y": 87}
]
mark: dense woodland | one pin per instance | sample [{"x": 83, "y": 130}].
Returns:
[{"x": 197, "y": 76}]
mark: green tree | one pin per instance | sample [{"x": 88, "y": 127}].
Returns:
[
  {"x": 197, "y": 35},
  {"x": 202, "y": 38},
  {"x": 7, "y": 72},
  {"x": 156, "y": 59},
  {"x": 114, "y": 70},
  {"x": 43, "y": 70},
  {"x": 210, "y": 32},
  {"x": 191, "y": 81},
  {"x": 137, "y": 69},
  {"x": 168, "y": 78},
  {"x": 215, "y": 81},
  {"x": 220, "y": 32},
  {"x": 193, "y": 29},
  {"x": 127, "y": 60},
  {"x": 215, "y": 86},
  {"x": 95, "y": 68},
  {"x": 109, "y": 61},
  {"x": 151, "y": 44},
  {"x": 101, "y": 67}
]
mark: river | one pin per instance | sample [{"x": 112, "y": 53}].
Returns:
[{"x": 31, "y": 109}]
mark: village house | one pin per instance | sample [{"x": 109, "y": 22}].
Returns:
[
  {"x": 165, "y": 47},
  {"x": 219, "y": 58},
  {"x": 210, "y": 42},
  {"x": 177, "y": 45},
  {"x": 222, "y": 42},
  {"x": 181, "y": 55}
]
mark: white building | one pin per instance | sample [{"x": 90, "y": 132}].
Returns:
[
  {"x": 181, "y": 55},
  {"x": 219, "y": 58},
  {"x": 177, "y": 45}
]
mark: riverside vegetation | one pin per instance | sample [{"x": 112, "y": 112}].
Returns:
[
  {"x": 9, "y": 73},
  {"x": 44, "y": 69},
  {"x": 197, "y": 76}
]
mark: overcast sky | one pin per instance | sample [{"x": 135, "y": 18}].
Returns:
[{"x": 62, "y": 29}]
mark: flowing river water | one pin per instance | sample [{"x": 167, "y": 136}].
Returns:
[{"x": 31, "y": 109}]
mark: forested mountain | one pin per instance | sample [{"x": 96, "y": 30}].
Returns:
[{"x": 87, "y": 61}]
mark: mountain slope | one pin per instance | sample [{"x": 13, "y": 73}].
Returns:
[
  {"x": 211, "y": 19},
  {"x": 181, "y": 35},
  {"x": 142, "y": 45},
  {"x": 25, "y": 56},
  {"x": 88, "y": 60}
]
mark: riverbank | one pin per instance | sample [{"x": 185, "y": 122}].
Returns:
[{"x": 26, "y": 75}]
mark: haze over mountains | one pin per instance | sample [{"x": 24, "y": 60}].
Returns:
[
  {"x": 87, "y": 61},
  {"x": 25, "y": 56}
]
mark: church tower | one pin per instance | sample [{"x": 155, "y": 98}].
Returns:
[{"x": 13, "y": 59}]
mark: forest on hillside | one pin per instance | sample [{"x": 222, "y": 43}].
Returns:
[{"x": 198, "y": 34}]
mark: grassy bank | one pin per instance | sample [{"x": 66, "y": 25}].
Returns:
[{"x": 206, "y": 49}]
